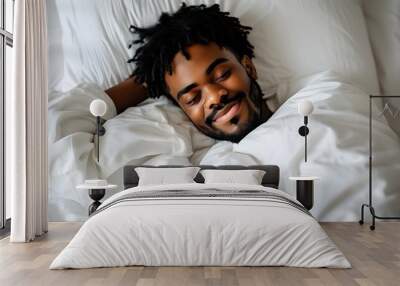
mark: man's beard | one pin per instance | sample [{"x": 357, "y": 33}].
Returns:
[{"x": 255, "y": 100}]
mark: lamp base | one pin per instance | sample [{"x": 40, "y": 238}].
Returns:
[
  {"x": 305, "y": 193},
  {"x": 96, "y": 195},
  {"x": 304, "y": 131}
]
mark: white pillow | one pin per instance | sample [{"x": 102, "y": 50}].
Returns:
[
  {"x": 247, "y": 177},
  {"x": 88, "y": 39},
  {"x": 164, "y": 176},
  {"x": 383, "y": 21}
]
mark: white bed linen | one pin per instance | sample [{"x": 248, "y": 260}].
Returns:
[
  {"x": 88, "y": 43},
  {"x": 158, "y": 133},
  {"x": 88, "y": 39},
  {"x": 154, "y": 133},
  {"x": 205, "y": 231},
  {"x": 248, "y": 177},
  {"x": 156, "y": 176},
  {"x": 338, "y": 150},
  {"x": 383, "y": 21}
]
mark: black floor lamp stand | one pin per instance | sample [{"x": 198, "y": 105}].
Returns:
[{"x": 370, "y": 202}]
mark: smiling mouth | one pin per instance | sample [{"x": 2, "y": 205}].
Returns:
[{"x": 227, "y": 113}]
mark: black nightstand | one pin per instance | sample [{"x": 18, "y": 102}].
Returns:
[{"x": 305, "y": 190}]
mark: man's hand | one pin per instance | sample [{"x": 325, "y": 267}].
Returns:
[{"x": 127, "y": 94}]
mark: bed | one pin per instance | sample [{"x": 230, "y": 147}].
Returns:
[
  {"x": 200, "y": 224},
  {"x": 88, "y": 52}
]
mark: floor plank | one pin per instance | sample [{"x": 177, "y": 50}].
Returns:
[{"x": 375, "y": 257}]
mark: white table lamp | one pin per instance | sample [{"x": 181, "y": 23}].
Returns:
[{"x": 98, "y": 108}]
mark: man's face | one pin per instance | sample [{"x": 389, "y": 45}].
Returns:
[{"x": 214, "y": 89}]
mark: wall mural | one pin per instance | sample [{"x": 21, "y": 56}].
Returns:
[{"x": 132, "y": 86}]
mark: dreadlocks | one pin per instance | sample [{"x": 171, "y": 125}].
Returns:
[{"x": 175, "y": 32}]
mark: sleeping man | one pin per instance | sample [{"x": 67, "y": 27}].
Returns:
[{"x": 199, "y": 57}]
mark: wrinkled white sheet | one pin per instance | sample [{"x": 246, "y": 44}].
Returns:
[
  {"x": 338, "y": 150},
  {"x": 88, "y": 39},
  {"x": 154, "y": 133},
  {"x": 157, "y": 132},
  {"x": 200, "y": 231}
]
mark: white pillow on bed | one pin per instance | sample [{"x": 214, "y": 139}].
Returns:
[
  {"x": 88, "y": 39},
  {"x": 383, "y": 21},
  {"x": 247, "y": 177},
  {"x": 165, "y": 176}
]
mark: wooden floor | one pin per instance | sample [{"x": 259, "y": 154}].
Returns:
[{"x": 375, "y": 257}]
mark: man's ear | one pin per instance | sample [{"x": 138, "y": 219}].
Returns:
[{"x": 249, "y": 66}]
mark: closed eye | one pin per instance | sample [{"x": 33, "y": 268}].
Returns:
[
  {"x": 225, "y": 75},
  {"x": 195, "y": 99}
]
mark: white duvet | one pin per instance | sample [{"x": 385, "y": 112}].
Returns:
[
  {"x": 157, "y": 132},
  {"x": 338, "y": 151},
  {"x": 200, "y": 231}
]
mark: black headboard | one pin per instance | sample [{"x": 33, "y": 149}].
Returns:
[{"x": 270, "y": 179}]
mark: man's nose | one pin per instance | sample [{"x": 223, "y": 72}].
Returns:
[{"x": 214, "y": 95}]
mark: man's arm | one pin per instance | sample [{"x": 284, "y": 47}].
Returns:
[{"x": 127, "y": 94}]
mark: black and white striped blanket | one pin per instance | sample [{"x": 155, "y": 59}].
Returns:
[{"x": 204, "y": 194}]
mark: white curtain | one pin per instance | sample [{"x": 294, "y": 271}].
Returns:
[{"x": 26, "y": 123}]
